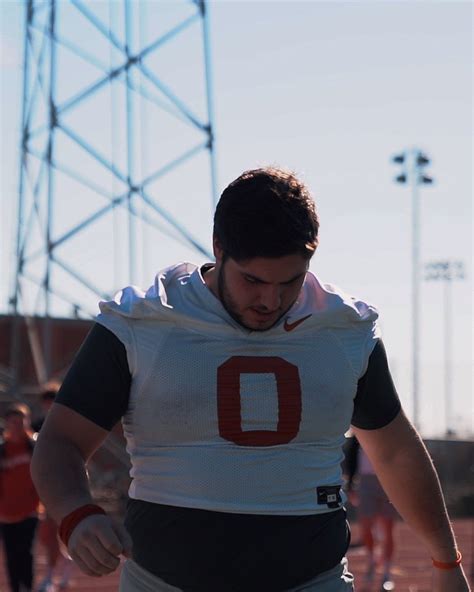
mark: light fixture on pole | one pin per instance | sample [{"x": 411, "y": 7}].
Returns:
[
  {"x": 447, "y": 272},
  {"x": 413, "y": 164}
]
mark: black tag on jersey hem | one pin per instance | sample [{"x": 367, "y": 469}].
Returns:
[{"x": 330, "y": 495}]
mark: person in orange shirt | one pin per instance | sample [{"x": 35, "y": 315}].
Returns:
[{"x": 18, "y": 497}]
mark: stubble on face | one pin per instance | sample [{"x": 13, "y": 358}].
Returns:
[
  {"x": 231, "y": 306},
  {"x": 226, "y": 298}
]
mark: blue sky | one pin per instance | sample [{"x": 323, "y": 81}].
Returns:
[{"x": 331, "y": 90}]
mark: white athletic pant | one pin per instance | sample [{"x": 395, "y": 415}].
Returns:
[{"x": 136, "y": 579}]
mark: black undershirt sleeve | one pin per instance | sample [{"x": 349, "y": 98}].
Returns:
[
  {"x": 376, "y": 402},
  {"x": 98, "y": 383},
  {"x": 351, "y": 460}
]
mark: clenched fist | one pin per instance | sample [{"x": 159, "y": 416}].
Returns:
[{"x": 96, "y": 544}]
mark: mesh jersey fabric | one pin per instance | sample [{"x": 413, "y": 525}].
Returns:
[{"x": 223, "y": 418}]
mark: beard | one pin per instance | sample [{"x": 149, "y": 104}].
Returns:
[
  {"x": 231, "y": 307},
  {"x": 226, "y": 298}
]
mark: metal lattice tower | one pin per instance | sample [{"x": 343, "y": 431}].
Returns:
[{"x": 117, "y": 175}]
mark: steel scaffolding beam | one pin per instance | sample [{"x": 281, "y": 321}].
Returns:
[{"x": 92, "y": 71}]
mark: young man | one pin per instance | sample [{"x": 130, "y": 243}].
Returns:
[{"x": 235, "y": 382}]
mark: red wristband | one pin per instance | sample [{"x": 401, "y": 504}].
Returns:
[
  {"x": 448, "y": 564},
  {"x": 69, "y": 522}
]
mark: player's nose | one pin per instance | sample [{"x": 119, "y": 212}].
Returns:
[{"x": 270, "y": 298}]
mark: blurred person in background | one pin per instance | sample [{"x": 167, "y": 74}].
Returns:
[
  {"x": 47, "y": 396},
  {"x": 235, "y": 381},
  {"x": 18, "y": 497},
  {"x": 58, "y": 567},
  {"x": 375, "y": 513}
]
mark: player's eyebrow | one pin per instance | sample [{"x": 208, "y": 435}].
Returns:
[{"x": 260, "y": 281}]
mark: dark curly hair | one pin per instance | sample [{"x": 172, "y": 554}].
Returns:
[{"x": 266, "y": 212}]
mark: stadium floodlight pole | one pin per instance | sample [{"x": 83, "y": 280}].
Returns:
[
  {"x": 413, "y": 162},
  {"x": 447, "y": 272}
]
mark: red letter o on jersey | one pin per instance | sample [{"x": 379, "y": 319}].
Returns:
[{"x": 228, "y": 400}]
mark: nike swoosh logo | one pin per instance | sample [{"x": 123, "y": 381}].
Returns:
[{"x": 290, "y": 326}]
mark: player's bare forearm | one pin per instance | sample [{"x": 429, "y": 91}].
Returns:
[
  {"x": 406, "y": 472},
  {"x": 60, "y": 477},
  {"x": 64, "y": 444}
]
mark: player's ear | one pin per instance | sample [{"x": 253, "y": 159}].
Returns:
[{"x": 217, "y": 248}]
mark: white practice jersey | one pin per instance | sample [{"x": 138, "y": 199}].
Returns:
[{"x": 226, "y": 419}]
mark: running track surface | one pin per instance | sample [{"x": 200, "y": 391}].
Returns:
[{"x": 411, "y": 573}]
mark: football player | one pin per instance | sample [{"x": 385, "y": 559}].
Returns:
[{"x": 235, "y": 382}]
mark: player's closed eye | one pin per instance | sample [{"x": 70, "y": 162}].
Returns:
[{"x": 293, "y": 281}]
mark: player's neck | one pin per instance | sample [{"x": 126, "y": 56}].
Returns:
[{"x": 210, "y": 279}]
